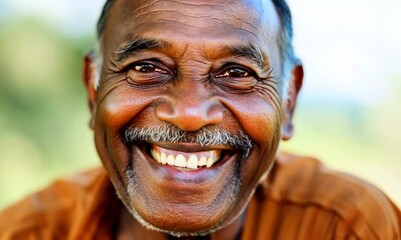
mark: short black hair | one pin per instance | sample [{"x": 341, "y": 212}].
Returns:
[
  {"x": 101, "y": 24},
  {"x": 285, "y": 40}
]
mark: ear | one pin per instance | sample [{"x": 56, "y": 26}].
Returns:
[
  {"x": 89, "y": 78},
  {"x": 290, "y": 101}
]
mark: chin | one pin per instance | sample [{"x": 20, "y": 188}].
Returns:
[
  {"x": 181, "y": 198},
  {"x": 174, "y": 232},
  {"x": 185, "y": 208}
]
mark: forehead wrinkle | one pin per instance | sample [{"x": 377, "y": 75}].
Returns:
[
  {"x": 240, "y": 22},
  {"x": 186, "y": 53},
  {"x": 186, "y": 31},
  {"x": 192, "y": 7},
  {"x": 212, "y": 23},
  {"x": 234, "y": 14},
  {"x": 246, "y": 15},
  {"x": 243, "y": 14}
]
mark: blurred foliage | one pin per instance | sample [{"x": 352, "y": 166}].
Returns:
[
  {"x": 43, "y": 130},
  {"x": 44, "y": 116}
]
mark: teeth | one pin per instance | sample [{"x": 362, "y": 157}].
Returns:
[
  {"x": 163, "y": 158},
  {"x": 185, "y": 160},
  {"x": 192, "y": 162},
  {"x": 209, "y": 162},
  {"x": 202, "y": 162},
  {"x": 180, "y": 161},
  {"x": 158, "y": 157},
  {"x": 170, "y": 160}
]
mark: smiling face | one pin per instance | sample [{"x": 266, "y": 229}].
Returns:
[{"x": 188, "y": 113}]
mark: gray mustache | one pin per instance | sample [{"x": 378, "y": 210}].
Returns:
[{"x": 204, "y": 136}]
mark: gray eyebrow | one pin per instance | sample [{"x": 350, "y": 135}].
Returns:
[
  {"x": 136, "y": 45},
  {"x": 249, "y": 51}
]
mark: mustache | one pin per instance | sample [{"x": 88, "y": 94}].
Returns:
[{"x": 208, "y": 135}]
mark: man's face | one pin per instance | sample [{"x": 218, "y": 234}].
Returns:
[{"x": 188, "y": 115}]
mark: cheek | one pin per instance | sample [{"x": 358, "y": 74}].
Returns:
[
  {"x": 260, "y": 119},
  {"x": 262, "y": 123},
  {"x": 117, "y": 109}
]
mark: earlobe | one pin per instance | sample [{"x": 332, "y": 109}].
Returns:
[
  {"x": 89, "y": 80},
  {"x": 289, "y": 104}
]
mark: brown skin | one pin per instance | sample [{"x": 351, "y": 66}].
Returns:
[{"x": 194, "y": 82}]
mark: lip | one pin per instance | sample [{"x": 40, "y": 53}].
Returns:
[
  {"x": 191, "y": 147},
  {"x": 183, "y": 179},
  {"x": 180, "y": 191}
]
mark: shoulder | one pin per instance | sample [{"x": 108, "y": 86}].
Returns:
[
  {"x": 360, "y": 208},
  {"x": 50, "y": 211}
]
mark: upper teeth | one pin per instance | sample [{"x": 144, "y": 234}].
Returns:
[{"x": 184, "y": 159}]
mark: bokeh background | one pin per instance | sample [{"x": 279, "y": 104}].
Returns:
[{"x": 348, "y": 115}]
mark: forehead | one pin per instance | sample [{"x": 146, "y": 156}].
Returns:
[{"x": 202, "y": 21}]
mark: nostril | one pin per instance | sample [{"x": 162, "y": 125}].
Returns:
[
  {"x": 164, "y": 112},
  {"x": 189, "y": 115}
]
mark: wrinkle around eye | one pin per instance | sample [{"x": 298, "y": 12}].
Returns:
[
  {"x": 110, "y": 85},
  {"x": 268, "y": 90},
  {"x": 240, "y": 85},
  {"x": 146, "y": 79}
]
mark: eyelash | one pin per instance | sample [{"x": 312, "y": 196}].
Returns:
[
  {"x": 148, "y": 73},
  {"x": 243, "y": 80},
  {"x": 230, "y": 67},
  {"x": 156, "y": 66}
]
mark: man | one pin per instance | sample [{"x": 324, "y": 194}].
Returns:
[{"x": 189, "y": 101}]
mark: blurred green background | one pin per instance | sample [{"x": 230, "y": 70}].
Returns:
[{"x": 348, "y": 114}]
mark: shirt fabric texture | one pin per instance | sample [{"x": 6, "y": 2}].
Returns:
[{"x": 301, "y": 199}]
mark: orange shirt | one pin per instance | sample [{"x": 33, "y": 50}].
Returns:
[{"x": 301, "y": 199}]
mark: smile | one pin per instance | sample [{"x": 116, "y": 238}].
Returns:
[{"x": 188, "y": 158}]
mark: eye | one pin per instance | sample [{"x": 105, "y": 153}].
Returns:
[
  {"x": 235, "y": 73},
  {"x": 236, "y": 78},
  {"x": 148, "y": 74},
  {"x": 148, "y": 68}
]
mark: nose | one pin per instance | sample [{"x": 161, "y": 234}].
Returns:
[{"x": 190, "y": 110}]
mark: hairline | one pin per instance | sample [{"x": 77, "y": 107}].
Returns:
[{"x": 287, "y": 54}]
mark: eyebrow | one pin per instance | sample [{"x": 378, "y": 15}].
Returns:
[
  {"x": 136, "y": 45},
  {"x": 248, "y": 51}
]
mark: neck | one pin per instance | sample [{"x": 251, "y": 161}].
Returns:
[{"x": 130, "y": 228}]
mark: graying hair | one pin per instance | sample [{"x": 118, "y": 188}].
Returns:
[
  {"x": 205, "y": 136},
  {"x": 289, "y": 59},
  {"x": 132, "y": 186}
]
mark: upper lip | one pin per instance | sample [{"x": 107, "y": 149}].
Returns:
[{"x": 191, "y": 147}]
